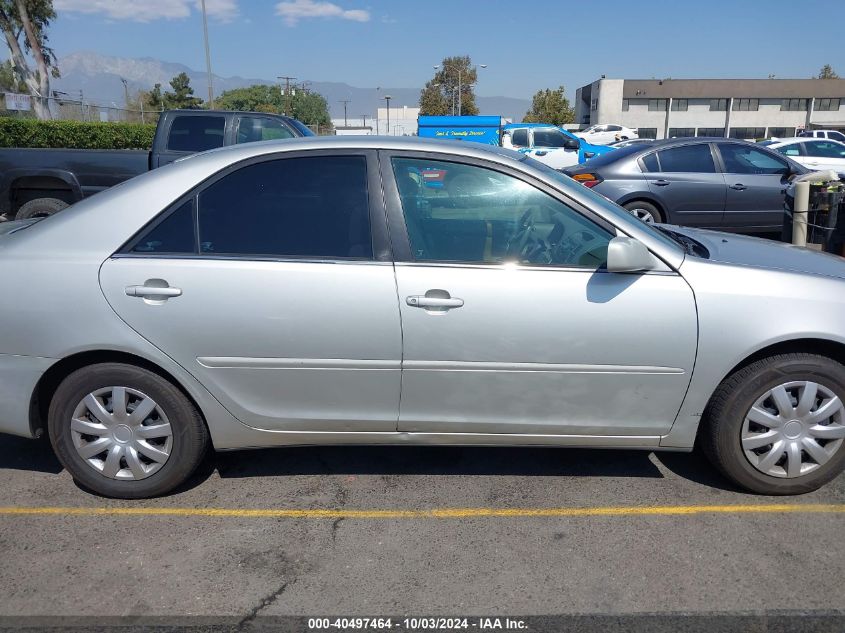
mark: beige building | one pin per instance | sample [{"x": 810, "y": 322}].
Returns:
[{"x": 739, "y": 108}]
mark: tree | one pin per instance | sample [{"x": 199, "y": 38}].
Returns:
[
  {"x": 827, "y": 72},
  {"x": 550, "y": 106},
  {"x": 455, "y": 76},
  {"x": 309, "y": 107},
  {"x": 182, "y": 97},
  {"x": 24, "y": 24},
  {"x": 9, "y": 81},
  {"x": 432, "y": 101}
]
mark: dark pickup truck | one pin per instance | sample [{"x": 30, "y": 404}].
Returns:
[{"x": 39, "y": 182}]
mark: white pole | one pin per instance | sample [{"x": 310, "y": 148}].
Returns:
[
  {"x": 207, "y": 58},
  {"x": 799, "y": 213}
]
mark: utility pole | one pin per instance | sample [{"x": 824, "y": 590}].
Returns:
[
  {"x": 364, "y": 119},
  {"x": 125, "y": 92},
  {"x": 207, "y": 58},
  {"x": 345, "y": 102},
  {"x": 286, "y": 93}
]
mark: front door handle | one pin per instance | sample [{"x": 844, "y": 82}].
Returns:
[
  {"x": 421, "y": 301},
  {"x": 739, "y": 187},
  {"x": 149, "y": 291},
  {"x": 540, "y": 153},
  {"x": 661, "y": 183}
]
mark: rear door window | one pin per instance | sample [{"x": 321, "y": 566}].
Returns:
[
  {"x": 519, "y": 138},
  {"x": 687, "y": 159},
  {"x": 192, "y": 133}
]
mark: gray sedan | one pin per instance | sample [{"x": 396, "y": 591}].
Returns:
[
  {"x": 320, "y": 291},
  {"x": 719, "y": 183}
]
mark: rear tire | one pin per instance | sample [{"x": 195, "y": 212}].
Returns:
[
  {"x": 40, "y": 208},
  {"x": 151, "y": 435},
  {"x": 734, "y": 441},
  {"x": 644, "y": 211}
]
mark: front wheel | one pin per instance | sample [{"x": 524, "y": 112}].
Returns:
[
  {"x": 123, "y": 431},
  {"x": 777, "y": 427}
]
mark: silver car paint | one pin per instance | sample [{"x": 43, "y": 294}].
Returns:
[{"x": 54, "y": 307}]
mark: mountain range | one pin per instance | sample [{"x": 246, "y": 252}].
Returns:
[{"x": 98, "y": 77}]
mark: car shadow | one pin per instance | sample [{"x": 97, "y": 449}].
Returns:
[{"x": 36, "y": 456}]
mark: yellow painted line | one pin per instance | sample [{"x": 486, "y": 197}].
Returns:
[{"x": 436, "y": 513}]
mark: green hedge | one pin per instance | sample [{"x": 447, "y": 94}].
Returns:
[{"x": 75, "y": 134}]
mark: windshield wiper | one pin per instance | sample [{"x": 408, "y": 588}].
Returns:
[{"x": 690, "y": 246}]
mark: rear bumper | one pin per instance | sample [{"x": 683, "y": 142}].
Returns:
[{"x": 18, "y": 377}]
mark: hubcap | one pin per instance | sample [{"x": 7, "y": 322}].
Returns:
[
  {"x": 121, "y": 433},
  {"x": 793, "y": 429},
  {"x": 643, "y": 214}
]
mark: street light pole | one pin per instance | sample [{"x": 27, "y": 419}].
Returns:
[
  {"x": 387, "y": 98},
  {"x": 207, "y": 57}
]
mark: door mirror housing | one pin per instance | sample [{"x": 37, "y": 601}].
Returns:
[
  {"x": 627, "y": 255},
  {"x": 572, "y": 143}
]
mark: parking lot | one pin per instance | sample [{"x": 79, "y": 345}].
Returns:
[{"x": 436, "y": 531}]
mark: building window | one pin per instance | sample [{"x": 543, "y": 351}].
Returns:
[
  {"x": 657, "y": 105},
  {"x": 827, "y": 105},
  {"x": 678, "y": 132},
  {"x": 794, "y": 105},
  {"x": 750, "y": 133},
  {"x": 711, "y": 131},
  {"x": 594, "y": 104},
  {"x": 647, "y": 132},
  {"x": 746, "y": 105},
  {"x": 718, "y": 105},
  {"x": 626, "y": 105},
  {"x": 680, "y": 105},
  {"x": 782, "y": 132}
]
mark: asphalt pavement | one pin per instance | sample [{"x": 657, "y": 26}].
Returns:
[{"x": 426, "y": 531}]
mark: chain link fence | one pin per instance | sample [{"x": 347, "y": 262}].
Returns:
[{"x": 68, "y": 109}]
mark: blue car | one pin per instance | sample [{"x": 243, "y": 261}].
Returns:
[{"x": 550, "y": 144}]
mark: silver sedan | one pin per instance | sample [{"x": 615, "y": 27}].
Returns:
[{"x": 374, "y": 291}]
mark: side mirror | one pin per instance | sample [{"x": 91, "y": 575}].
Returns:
[
  {"x": 627, "y": 255},
  {"x": 571, "y": 143}
]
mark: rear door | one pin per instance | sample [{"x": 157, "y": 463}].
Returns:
[
  {"x": 685, "y": 181},
  {"x": 756, "y": 180},
  {"x": 269, "y": 286}
]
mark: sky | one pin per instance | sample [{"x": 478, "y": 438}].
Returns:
[{"x": 527, "y": 44}]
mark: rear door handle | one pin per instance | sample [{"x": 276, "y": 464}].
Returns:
[
  {"x": 540, "y": 153},
  {"x": 421, "y": 301},
  {"x": 661, "y": 183},
  {"x": 739, "y": 187}
]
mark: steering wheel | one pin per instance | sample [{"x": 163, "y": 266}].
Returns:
[
  {"x": 518, "y": 243},
  {"x": 576, "y": 246}
]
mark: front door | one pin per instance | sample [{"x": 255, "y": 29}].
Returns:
[
  {"x": 264, "y": 285},
  {"x": 756, "y": 180},
  {"x": 549, "y": 147},
  {"x": 510, "y": 324},
  {"x": 686, "y": 183}
]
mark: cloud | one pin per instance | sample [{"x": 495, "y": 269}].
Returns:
[
  {"x": 294, "y": 10},
  {"x": 149, "y": 10}
]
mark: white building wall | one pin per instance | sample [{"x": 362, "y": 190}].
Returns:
[{"x": 403, "y": 121}]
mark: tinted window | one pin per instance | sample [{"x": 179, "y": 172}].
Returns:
[
  {"x": 837, "y": 136},
  {"x": 549, "y": 138},
  {"x": 650, "y": 162},
  {"x": 173, "y": 235},
  {"x": 296, "y": 207},
  {"x": 825, "y": 149},
  {"x": 261, "y": 129},
  {"x": 614, "y": 128},
  {"x": 483, "y": 216},
  {"x": 519, "y": 138},
  {"x": 744, "y": 159},
  {"x": 789, "y": 150},
  {"x": 687, "y": 159},
  {"x": 196, "y": 133}
]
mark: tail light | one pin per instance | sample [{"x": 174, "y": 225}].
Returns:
[{"x": 588, "y": 179}]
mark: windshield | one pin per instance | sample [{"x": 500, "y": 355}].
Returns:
[
  {"x": 306, "y": 131},
  {"x": 603, "y": 202}
]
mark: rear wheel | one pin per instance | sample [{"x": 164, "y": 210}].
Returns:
[
  {"x": 777, "y": 427},
  {"x": 122, "y": 431},
  {"x": 40, "y": 208},
  {"x": 644, "y": 211}
]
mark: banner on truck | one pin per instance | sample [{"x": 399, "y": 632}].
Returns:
[{"x": 18, "y": 102}]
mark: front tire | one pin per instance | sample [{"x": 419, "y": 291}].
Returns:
[
  {"x": 777, "y": 426},
  {"x": 125, "y": 432}
]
